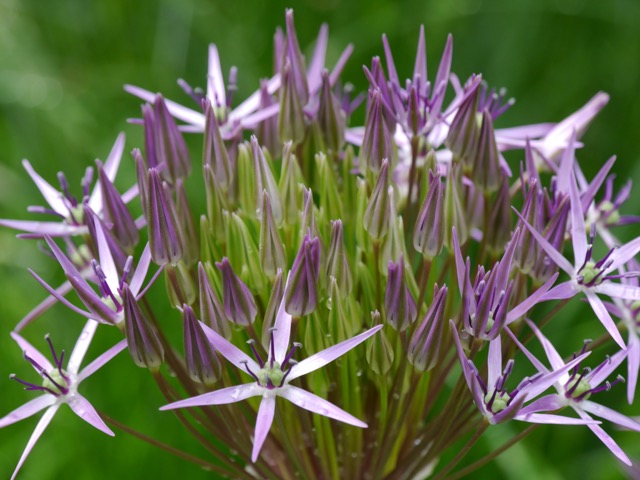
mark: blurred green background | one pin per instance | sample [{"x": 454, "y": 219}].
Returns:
[{"x": 62, "y": 105}]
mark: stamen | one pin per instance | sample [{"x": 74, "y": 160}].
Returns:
[
  {"x": 64, "y": 186},
  {"x": 56, "y": 360},
  {"x": 33, "y": 387},
  {"x": 86, "y": 182},
  {"x": 576, "y": 383},
  {"x": 125, "y": 271},
  {"x": 232, "y": 85},
  {"x": 246, "y": 367},
  {"x": 292, "y": 363},
  {"x": 43, "y": 210},
  {"x": 296, "y": 345},
  {"x": 251, "y": 343}
]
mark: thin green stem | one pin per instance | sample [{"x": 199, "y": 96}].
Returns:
[
  {"x": 494, "y": 454},
  {"x": 163, "y": 446},
  {"x": 463, "y": 451}
]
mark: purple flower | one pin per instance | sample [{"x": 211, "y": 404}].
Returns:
[
  {"x": 587, "y": 275},
  {"x": 105, "y": 306},
  {"x": 245, "y": 115},
  {"x": 491, "y": 396},
  {"x": 272, "y": 377},
  {"x": 301, "y": 294},
  {"x": 485, "y": 302},
  {"x": 64, "y": 205},
  {"x": 575, "y": 388},
  {"x": 59, "y": 385}
]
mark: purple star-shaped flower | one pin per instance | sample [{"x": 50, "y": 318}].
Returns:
[
  {"x": 586, "y": 275},
  {"x": 272, "y": 377},
  {"x": 575, "y": 389},
  {"x": 59, "y": 385},
  {"x": 494, "y": 401},
  {"x": 64, "y": 205}
]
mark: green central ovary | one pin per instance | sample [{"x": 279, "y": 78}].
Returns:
[
  {"x": 582, "y": 387},
  {"x": 499, "y": 403},
  {"x": 271, "y": 375},
  {"x": 57, "y": 378},
  {"x": 589, "y": 272}
]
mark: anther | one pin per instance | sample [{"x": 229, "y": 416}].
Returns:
[{"x": 251, "y": 343}]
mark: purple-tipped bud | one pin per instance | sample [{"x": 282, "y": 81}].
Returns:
[
  {"x": 289, "y": 186},
  {"x": 424, "y": 347},
  {"x": 376, "y": 216},
  {"x": 201, "y": 360},
  {"x": 187, "y": 226},
  {"x": 180, "y": 285},
  {"x": 377, "y": 143},
  {"x": 267, "y": 129},
  {"x": 216, "y": 200},
  {"x": 143, "y": 179},
  {"x": 428, "y": 233},
  {"x": 293, "y": 55},
  {"x": 379, "y": 349},
  {"x": 165, "y": 147},
  {"x": 116, "y": 213},
  {"x": 393, "y": 247},
  {"x": 239, "y": 305},
  {"x": 143, "y": 342},
  {"x": 272, "y": 256},
  {"x": 301, "y": 296},
  {"x": 291, "y": 124},
  {"x": 337, "y": 263},
  {"x": 165, "y": 234},
  {"x": 486, "y": 172},
  {"x": 215, "y": 152},
  {"x": 399, "y": 305},
  {"x": 454, "y": 215},
  {"x": 277, "y": 292},
  {"x": 211, "y": 311},
  {"x": 308, "y": 220},
  {"x": 500, "y": 231},
  {"x": 465, "y": 129},
  {"x": 265, "y": 182},
  {"x": 331, "y": 118}
]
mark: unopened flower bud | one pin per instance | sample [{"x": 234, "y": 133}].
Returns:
[
  {"x": 464, "y": 131},
  {"x": 165, "y": 147},
  {"x": 115, "y": 212},
  {"x": 239, "y": 305},
  {"x": 215, "y": 152},
  {"x": 200, "y": 357},
  {"x": 143, "y": 342},
  {"x": 331, "y": 118},
  {"x": 291, "y": 124},
  {"x": 376, "y": 216},
  {"x": 337, "y": 263},
  {"x": 428, "y": 233},
  {"x": 211, "y": 311},
  {"x": 272, "y": 256},
  {"x": 165, "y": 234},
  {"x": 486, "y": 172},
  {"x": 301, "y": 295},
  {"x": 400, "y": 307},
  {"x": 377, "y": 143},
  {"x": 424, "y": 347},
  {"x": 265, "y": 182},
  {"x": 380, "y": 353},
  {"x": 289, "y": 186}
]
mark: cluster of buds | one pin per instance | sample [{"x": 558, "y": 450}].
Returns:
[{"x": 410, "y": 234}]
